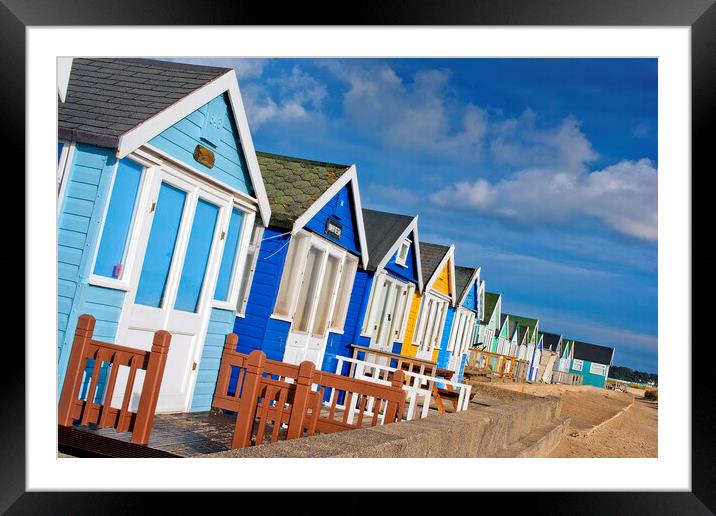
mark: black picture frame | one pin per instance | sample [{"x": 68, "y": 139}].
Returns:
[{"x": 700, "y": 15}]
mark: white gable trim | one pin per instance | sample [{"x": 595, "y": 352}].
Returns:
[
  {"x": 64, "y": 67},
  {"x": 150, "y": 128},
  {"x": 436, "y": 273},
  {"x": 411, "y": 228},
  {"x": 350, "y": 175},
  {"x": 470, "y": 283}
]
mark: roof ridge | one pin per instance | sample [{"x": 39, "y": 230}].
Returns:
[{"x": 303, "y": 160}]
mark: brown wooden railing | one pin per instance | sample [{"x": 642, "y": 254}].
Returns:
[
  {"x": 73, "y": 408},
  {"x": 297, "y": 400}
]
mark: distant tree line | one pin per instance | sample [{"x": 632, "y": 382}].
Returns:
[{"x": 629, "y": 375}]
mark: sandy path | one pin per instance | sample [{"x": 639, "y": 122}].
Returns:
[{"x": 632, "y": 434}]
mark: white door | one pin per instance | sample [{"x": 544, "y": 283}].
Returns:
[
  {"x": 320, "y": 276},
  {"x": 172, "y": 281},
  {"x": 387, "y": 313},
  {"x": 431, "y": 326}
]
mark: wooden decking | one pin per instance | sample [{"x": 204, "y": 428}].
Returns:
[
  {"x": 178, "y": 435},
  {"x": 173, "y": 435}
]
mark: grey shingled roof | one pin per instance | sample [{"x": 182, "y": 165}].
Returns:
[
  {"x": 430, "y": 256},
  {"x": 108, "y": 97},
  {"x": 463, "y": 275},
  {"x": 491, "y": 299},
  {"x": 593, "y": 353},
  {"x": 550, "y": 340},
  {"x": 382, "y": 230},
  {"x": 294, "y": 184}
]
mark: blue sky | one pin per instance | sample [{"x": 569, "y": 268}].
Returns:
[{"x": 541, "y": 171}]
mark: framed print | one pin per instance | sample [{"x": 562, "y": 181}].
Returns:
[{"x": 412, "y": 251}]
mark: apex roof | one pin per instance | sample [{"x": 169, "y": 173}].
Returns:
[
  {"x": 463, "y": 275},
  {"x": 430, "y": 257},
  {"x": 106, "y": 98},
  {"x": 293, "y": 184},
  {"x": 382, "y": 230},
  {"x": 593, "y": 353}
]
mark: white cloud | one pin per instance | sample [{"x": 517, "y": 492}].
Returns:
[
  {"x": 410, "y": 114},
  {"x": 558, "y": 188},
  {"x": 292, "y": 97}
]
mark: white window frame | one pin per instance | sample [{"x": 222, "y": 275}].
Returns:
[
  {"x": 402, "y": 260},
  {"x": 256, "y": 240},
  {"x": 410, "y": 291},
  {"x": 601, "y": 369},
  {"x": 141, "y": 210},
  {"x": 418, "y": 335},
  {"x": 152, "y": 166},
  {"x": 306, "y": 239},
  {"x": 409, "y": 295},
  {"x": 577, "y": 364},
  {"x": 247, "y": 226},
  {"x": 342, "y": 296},
  {"x": 63, "y": 168}
]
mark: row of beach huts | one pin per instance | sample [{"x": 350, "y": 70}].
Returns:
[{"x": 168, "y": 219}]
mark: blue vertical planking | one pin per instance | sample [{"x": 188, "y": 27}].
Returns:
[{"x": 340, "y": 345}]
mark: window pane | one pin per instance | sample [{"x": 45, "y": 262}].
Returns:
[
  {"x": 229, "y": 257},
  {"x": 60, "y": 145},
  {"x": 247, "y": 274},
  {"x": 308, "y": 289},
  {"x": 197, "y": 256},
  {"x": 344, "y": 294},
  {"x": 328, "y": 288},
  {"x": 120, "y": 213},
  {"x": 290, "y": 276},
  {"x": 160, "y": 248}
]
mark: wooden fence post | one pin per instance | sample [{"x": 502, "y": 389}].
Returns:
[
  {"x": 248, "y": 400},
  {"x": 150, "y": 389},
  {"x": 306, "y": 371},
  {"x": 75, "y": 369},
  {"x": 394, "y": 410},
  {"x": 222, "y": 382}
]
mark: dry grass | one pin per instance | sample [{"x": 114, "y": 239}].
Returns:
[{"x": 652, "y": 394}]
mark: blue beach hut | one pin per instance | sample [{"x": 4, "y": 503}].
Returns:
[
  {"x": 159, "y": 189},
  {"x": 295, "y": 308},
  {"x": 383, "y": 292}
]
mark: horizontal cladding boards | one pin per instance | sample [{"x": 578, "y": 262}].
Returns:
[
  {"x": 220, "y": 325},
  {"x": 88, "y": 180},
  {"x": 180, "y": 140}
]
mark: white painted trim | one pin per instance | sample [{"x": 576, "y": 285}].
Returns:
[
  {"x": 247, "y": 202},
  {"x": 64, "y": 166},
  {"x": 153, "y": 126},
  {"x": 350, "y": 175},
  {"x": 141, "y": 204},
  {"x": 64, "y": 67},
  {"x": 448, "y": 256},
  {"x": 247, "y": 144},
  {"x": 101, "y": 281},
  {"x": 418, "y": 262}
]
